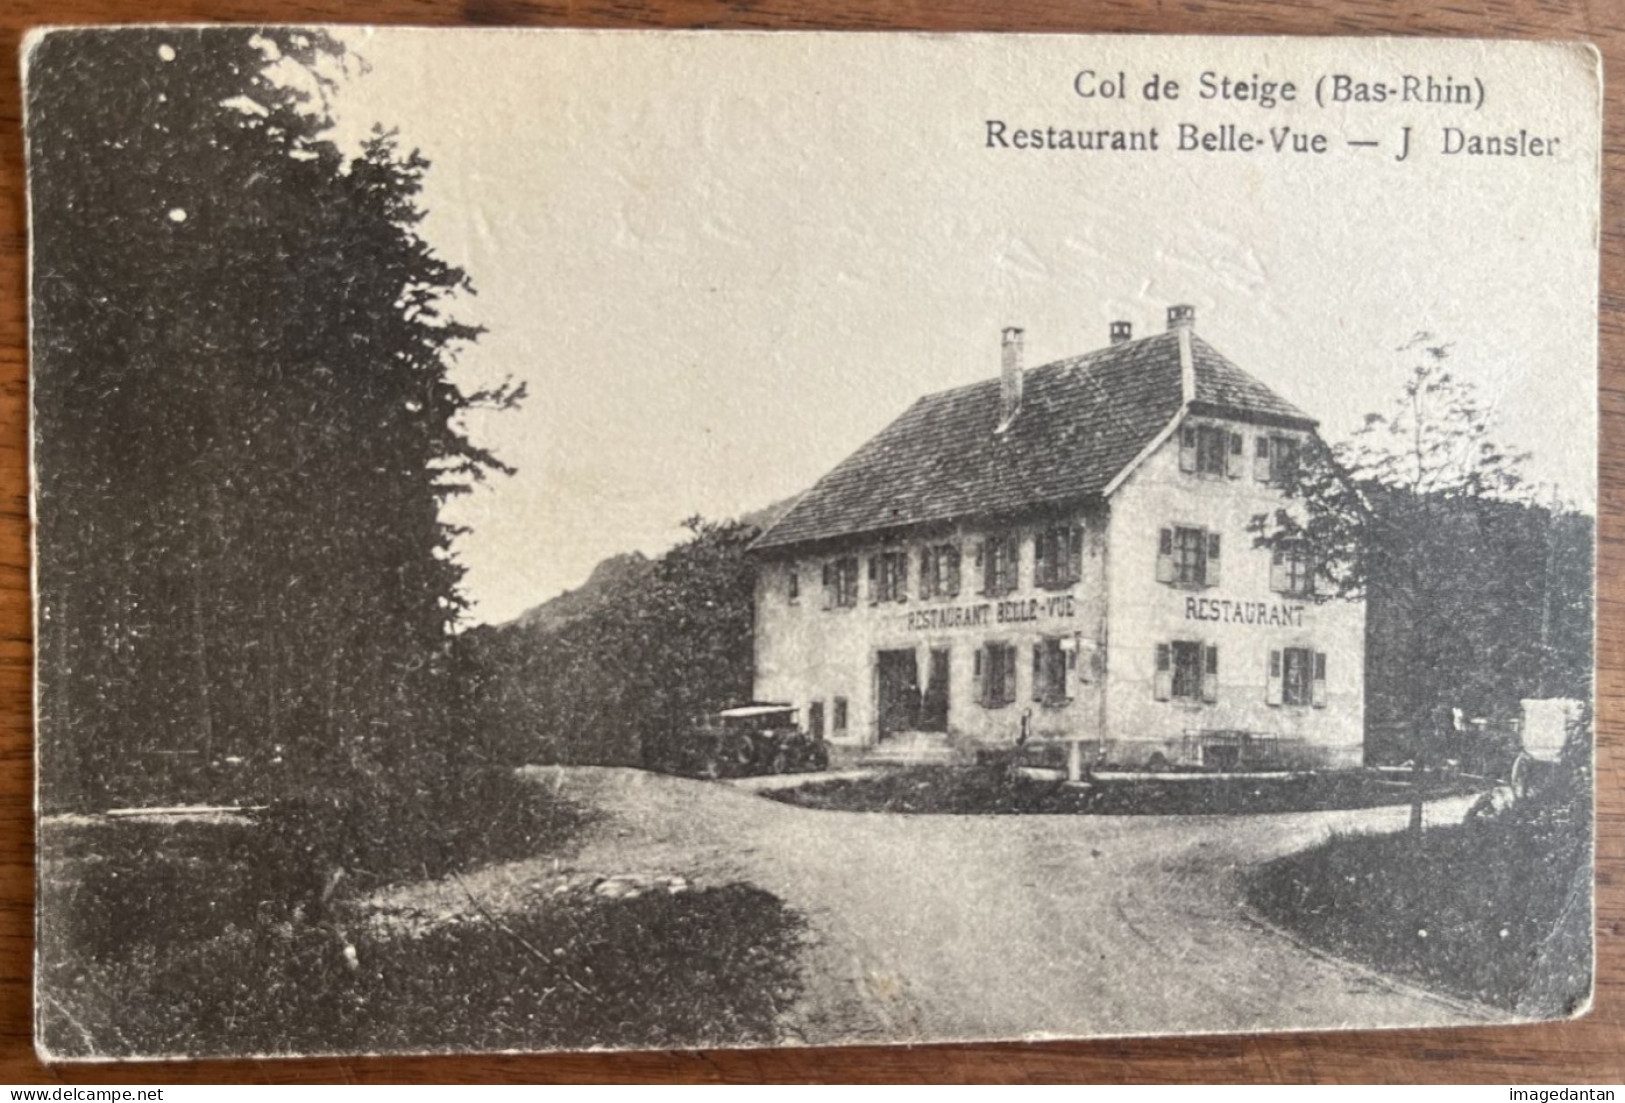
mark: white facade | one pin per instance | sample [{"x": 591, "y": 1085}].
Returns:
[{"x": 1168, "y": 633}]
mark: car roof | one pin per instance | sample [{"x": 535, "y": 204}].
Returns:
[{"x": 756, "y": 710}]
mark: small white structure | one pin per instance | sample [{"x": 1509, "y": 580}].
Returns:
[{"x": 1547, "y": 722}]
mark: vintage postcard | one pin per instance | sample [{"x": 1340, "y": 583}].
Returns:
[{"x": 574, "y": 540}]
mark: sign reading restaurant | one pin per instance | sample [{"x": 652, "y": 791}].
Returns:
[{"x": 1264, "y": 613}]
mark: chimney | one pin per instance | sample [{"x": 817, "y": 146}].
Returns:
[
  {"x": 1121, "y": 331},
  {"x": 1181, "y": 317},
  {"x": 1010, "y": 377}
]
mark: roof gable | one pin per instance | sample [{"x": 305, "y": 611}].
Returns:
[{"x": 1082, "y": 421}]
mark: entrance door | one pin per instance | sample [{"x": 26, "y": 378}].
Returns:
[
  {"x": 898, "y": 691},
  {"x": 934, "y": 702}
]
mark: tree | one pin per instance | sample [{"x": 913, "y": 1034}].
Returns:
[
  {"x": 245, "y": 425},
  {"x": 654, "y": 651},
  {"x": 1429, "y": 519}
]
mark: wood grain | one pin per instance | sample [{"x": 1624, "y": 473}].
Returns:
[{"x": 1591, "y": 1050}]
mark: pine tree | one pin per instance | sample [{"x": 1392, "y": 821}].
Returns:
[{"x": 245, "y": 426}]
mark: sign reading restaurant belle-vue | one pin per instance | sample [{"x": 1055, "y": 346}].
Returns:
[{"x": 991, "y": 612}]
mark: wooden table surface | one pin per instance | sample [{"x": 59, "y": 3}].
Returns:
[{"x": 1588, "y": 1051}]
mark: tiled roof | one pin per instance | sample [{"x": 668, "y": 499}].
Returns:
[
  {"x": 1082, "y": 421},
  {"x": 1222, "y": 385}
]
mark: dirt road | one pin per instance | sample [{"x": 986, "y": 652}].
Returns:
[{"x": 934, "y": 928}]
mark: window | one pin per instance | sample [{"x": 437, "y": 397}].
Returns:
[
  {"x": 1186, "y": 670},
  {"x": 1058, "y": 556},
  {"x": 1275, "y": 460},
  {"x": 888, "y": 577},
  {"x": 839, "y": 718},
  {"x": 1055, "y": 670},
  {"x": 1210, "y": 450},
  {"x": 1297, "y": 677},
  {"x": 999, "y": 557},
  {"x": 939, "y": 571},
  {"x": 841, "y": 583},
  {"x": 996, "y": 671},
  {"x": 792, "y": 587},
  {"x": 815, "y": 720},
  {"x": 1188, "y": 556},
  {"x": 1292, "y": 570}
]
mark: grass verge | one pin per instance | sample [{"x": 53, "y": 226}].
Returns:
[
  {"x": 654, "y": 971},
  {"x": 205, "y": 939},
  {"x": 1495, "y": 912},
  {"x": 984, "y": 790}
]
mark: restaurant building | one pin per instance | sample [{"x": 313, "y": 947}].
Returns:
[{"x": 1062, "y": 554}]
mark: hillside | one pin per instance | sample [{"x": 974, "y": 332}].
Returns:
[{"x": 613, "y": 576}]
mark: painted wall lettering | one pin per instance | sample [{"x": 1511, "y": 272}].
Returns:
[{"x": 1267, "y": 614}]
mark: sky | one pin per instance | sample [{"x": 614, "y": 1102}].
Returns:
[{"x": 720, "y": 263}]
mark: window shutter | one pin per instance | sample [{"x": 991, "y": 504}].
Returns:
[
  {"x": 979, "y": 675},
  {"x": 1279, "y": 579},
  {"x": 1210, "y": 675},
  {"x": 1261, "y": 459},
  {"x": 928, "y": 573},
  {"x": 1009, "y": 658},
  {"x": 829, "y": 588},
  {"x": 1233, "y": 462},
  {"x": 1012, "y": 565},
  {"x": 979, "y": 559},
  {"x": 1074, "y": 553},
  {"x": 1163, "y": 681},
  {"x": 901, "y": 581},
  {"x": 1319, "y": 691},
  {"x": 1187, "y": 448},
  {"x": 953, "y": 571},
  {"x": 1272, "y": 692},
  {"x": 1212, "y": 577},
  {"x": 1165, "y": 556},
  {"x": 1038, "y": 672}
]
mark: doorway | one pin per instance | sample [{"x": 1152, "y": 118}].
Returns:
[
  {"x": 934, "y": 701},
  {"x": 897, "y": 675}
]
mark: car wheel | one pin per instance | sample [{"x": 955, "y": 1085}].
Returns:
[{"x": 736, "y": 755}]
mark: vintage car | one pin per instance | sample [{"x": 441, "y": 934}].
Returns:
[{"x": 750, "y": 739}]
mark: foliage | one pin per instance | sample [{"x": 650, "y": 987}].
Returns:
[
  {"x": 1476, "y": 596},
  {"x": 993, "y": 790},
  {"x": 1497, "y": 912},
  {"x": 610, "y": 686},
  {"x": 245, "y": 425},
  {"x": 658, "y": 970}
]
